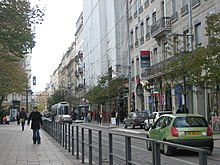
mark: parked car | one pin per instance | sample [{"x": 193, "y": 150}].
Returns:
[
  {"x": 153, "y": 117},
  {"x": 135, "y": 119},
  {"x": 186, "y": 129}
]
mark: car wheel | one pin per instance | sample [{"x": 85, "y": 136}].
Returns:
[
  {"x": 125, "y": 126},
  {"x": 148, "y": 144},
  {"x": 167, "y": 150}
]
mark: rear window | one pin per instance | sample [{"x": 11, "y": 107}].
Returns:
[
  {"x": 140, "y": 114},
  {"x": 190, "y": 121}
]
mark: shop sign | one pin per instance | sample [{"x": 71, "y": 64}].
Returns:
[{"x": 145, "y": 58}]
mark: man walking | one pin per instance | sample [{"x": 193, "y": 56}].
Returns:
[
  {"x": 22, "y": 117},
  {"x": 36, "y": 123}
]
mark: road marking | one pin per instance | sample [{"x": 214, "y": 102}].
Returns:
[{"x": 128, "y": 130}]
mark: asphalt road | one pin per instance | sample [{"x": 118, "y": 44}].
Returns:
[{"x": 140, "y": 155}]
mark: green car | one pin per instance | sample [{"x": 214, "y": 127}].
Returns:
[{"x": 186, "y": 129}]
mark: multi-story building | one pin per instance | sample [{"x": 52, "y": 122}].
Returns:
[
  {"x": 105, "y": 42},
  {"x": 80, "y": 85},
  {"x": 150, "y": 24},
  {"x": 105, "y": 39}
]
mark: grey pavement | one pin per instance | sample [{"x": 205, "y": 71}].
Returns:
[{"x": 17, "y": 148}]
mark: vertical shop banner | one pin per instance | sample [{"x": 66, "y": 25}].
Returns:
[
  {"x": 145, "y": 58},
  {"x": 216, "y": 124}
]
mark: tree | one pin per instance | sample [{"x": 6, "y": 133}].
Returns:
[
  {"x": 55, "y": 98},
  {"x": 18, "y": 19},
  {"x": 107, "y": 88},
  {"x": 200, "y": 67},
  {"x": 12, "y": 78}
]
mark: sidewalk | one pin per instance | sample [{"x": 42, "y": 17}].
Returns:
[{"x": 17, "y": 148}]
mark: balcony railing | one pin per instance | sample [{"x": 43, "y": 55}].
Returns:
[
  {"x": 159, "y": 67},
  {"x": 160, "y": 27},
  {"x": 76, "y": 73}
]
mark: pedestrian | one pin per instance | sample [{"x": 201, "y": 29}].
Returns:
[
  {"x": 18, "y": 118},
  {"x": 36, "y": 123},
  {"x": 4, "y": 120},
  {"x": 23, "y": 117},
  {"x": 100, "y": 118},
  {"x": 8, "y": 119}
]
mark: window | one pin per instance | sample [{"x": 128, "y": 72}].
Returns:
[
  {"x": 139, "y": 3},
  {"x": 137, "y": 67},
  {"x": 174, "y": 9},
  {"x": 147, "y": 25},
  {"x": 165, "y": 50},
  {"x": 142, "y": 29},
  {"x": 132, "y": 37},
  {"x": 198, "y": 35},
  {"x": 136, "y": 33},
  {"x": 184, "y": 3},
  {"x": 167, "y": 121},
  {"x": 154, "y": 19},
  {"x": 159, "y": 122}
]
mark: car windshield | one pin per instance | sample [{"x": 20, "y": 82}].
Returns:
[{"x": 190, "y": 121}]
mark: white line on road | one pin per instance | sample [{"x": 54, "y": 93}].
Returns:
[{"x": 128, "y": 130}]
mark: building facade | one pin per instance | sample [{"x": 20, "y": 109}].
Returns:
[{"x": 150, "y": 24}]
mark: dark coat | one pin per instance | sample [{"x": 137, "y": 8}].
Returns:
[
  {"x": 36, "y": 120},
  {"x": 23, "y": 115}
]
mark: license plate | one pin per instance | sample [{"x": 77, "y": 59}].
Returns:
[{"x": 193, "y": 133}]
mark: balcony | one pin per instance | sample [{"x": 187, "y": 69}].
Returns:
[
  {"x": 78, "y": 56},
  {"x": 161, "y": 27},
  {"x": 76, "y": 73},
  {"x": 80, "y": 70},
  {"x": 157, "y": 68}
]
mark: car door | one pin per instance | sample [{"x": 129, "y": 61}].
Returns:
[{"x": 155, "y": 132}]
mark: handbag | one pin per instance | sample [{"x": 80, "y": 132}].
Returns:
[{"x": 22, "y": 120}]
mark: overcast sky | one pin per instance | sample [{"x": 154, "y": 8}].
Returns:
[{"x": 53, "y": 38}]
